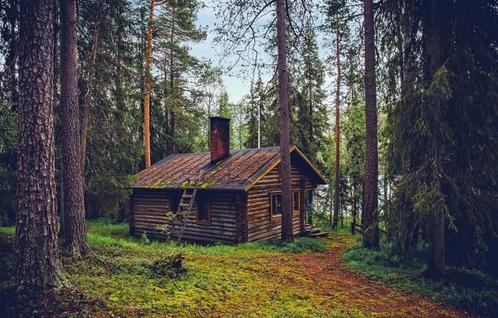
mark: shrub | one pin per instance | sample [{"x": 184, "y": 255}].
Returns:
[{"x": 170, "y": 266}]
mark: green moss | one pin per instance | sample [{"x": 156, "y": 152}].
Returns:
[
  {"x": 259, "y": 279},
  {"x": 225, "y": 280},
  {"x": 158, "y": 184}
]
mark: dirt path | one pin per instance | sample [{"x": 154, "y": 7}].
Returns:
[{"x": 333, "y": 279}]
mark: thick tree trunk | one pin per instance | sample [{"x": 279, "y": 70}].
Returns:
[
  {"x": 74, "y": 235},
  {"x": 283, "y": 94},
  {"x": 435, "y": 36},
  {"x": 38, "y": 266},
  {"x": 370, "y": 230},
  {"x": 148, "y": 57},
  {"x": 337, "y": 192}
]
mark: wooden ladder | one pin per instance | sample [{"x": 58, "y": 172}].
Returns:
[{"x": 185, "y": 206}]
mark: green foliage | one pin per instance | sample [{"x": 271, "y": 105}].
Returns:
[
  {"x": 443, "y": 138},
  {"x": 165, "y": 229},
  {"x": 468, "y": 289},
  {"x": 298, "y": 245},
  {"x": 8, "y": 153},
  {"x": 307, "y": 98},
  {"x": 227, "y": 279}
]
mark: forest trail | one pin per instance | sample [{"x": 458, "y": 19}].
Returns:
[{"x": 331, "y": 277}]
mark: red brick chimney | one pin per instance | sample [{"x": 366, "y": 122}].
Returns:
[{"x": 220, "y": 138}]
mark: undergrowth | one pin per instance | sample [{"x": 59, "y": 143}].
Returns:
[
  {"x": 468, "y": 289},
  {"x": 134, "y": 277}
]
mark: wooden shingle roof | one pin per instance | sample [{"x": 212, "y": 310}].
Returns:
[{"x": 239, "y": 171}]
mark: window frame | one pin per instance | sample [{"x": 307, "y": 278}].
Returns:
[{"x": 275, "y": 215}]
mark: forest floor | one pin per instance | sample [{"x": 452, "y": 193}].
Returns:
[{"x": 306, "y": 279}]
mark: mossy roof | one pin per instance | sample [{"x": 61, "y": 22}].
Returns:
[{"x": 239, "y": 171}]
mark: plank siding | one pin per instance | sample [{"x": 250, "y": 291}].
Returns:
[
  {"x": 150, "y": 207},
  {"x": 149, "y": 211},
  {"x": 261, "y": 225}
]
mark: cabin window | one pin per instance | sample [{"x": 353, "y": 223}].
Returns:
[
  {"x": 203, "y": 209},
  {"x": 296, "y": 201},
  {"x": 276, "y": 204},
  {"x": 174, "y": 202},
  {"x": 310, "y": 197}
]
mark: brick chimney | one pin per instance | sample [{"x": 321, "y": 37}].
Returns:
[{"x": 220, "y": 138}]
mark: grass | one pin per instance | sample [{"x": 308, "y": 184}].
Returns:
[
  {"x": 467, "y": 289},
  {"x": 220, "y": 280},
  {"x": 131, "y": 277}
]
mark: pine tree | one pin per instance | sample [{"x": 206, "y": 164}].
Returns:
[
  {"x": 442, "y": 136},
  {"x": 38, "y": 266},
  {"x": 74, "y": 228},
  {"x": 370, "y": 226},
  {"x": 147, "y": 84},
  {"x": 285, "y": 164}
]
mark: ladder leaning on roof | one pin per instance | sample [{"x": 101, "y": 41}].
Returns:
[{"x": 185, "y": 206}]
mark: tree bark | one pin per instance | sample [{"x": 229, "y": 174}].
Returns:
[
  {"x": 283, "y": 94},
  {"x": 38, "y": 266},
  {"x": 74, "y": 236},
  {"x": 87, "y": 100},
  {"x": 354, "y": 212},
  {"x": 148, "y": 57},
  {"x": 172, "y": 83},
  {"x": 370, "y": 231},
  {"x": 337, "y": 193}
]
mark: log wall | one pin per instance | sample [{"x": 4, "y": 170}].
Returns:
[
  {"x": 150, "y": 206},
  {"x": 261, "y": 224}
]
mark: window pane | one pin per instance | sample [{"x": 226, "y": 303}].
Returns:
[
  {"x": 276, "y": 204},
  {"x": 295, "y": 201},
  {"x": 203, "y": 209}
]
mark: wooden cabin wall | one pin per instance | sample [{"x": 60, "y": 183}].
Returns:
[
  {"x": 222, "y": 227},
  {"x": 150, "y": 206},
  {"x": 148, "y": 210},
  {"x": 260, "y": 223}
]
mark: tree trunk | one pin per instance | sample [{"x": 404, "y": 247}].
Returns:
[
  {"x": 74, "y": 235},
  {"x": 38, "y": 266},
  {"x": 337, "y": 193},
  {"x": 87, "y": 100},
  {"x": 148, "y": 57},
  {"x": 172, "y": 83},
  {"x": 354, "y": 212},
  {"x": 283, "y": 94},
  {"x": 370, "y": 230},
  {"x": 435, "y": 36}
]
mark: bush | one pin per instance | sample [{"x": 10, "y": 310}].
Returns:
[{"x": 170, "y": 266}]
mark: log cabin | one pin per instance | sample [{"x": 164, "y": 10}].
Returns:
[{"x": 237, "y": 194}]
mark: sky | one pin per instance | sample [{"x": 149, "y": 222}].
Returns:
[{"x": 236, "y": 86}]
